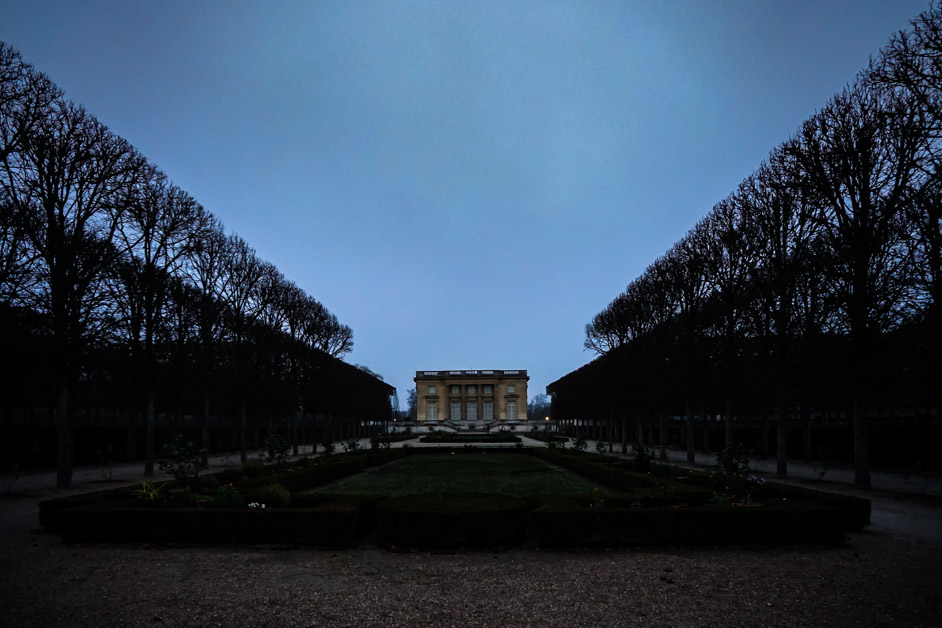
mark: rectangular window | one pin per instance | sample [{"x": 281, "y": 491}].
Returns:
[
  {"x": 472, "y": 390},
  {"x": 455, "y": 410},
  {"x": 472, "y": 410},
  {"x": 488, "y": 410},
  {"x": 511, "y": 389},
  {"x": 456, "y": 390},
  {"x": 431, "y": 390},
  {"x": 511, "y": 410},
  {"x": 488, "y": 389},
  {"x": 431, "y": 411}
]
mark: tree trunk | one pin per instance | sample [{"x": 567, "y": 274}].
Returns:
[
  {"x": 765, "y": 435},
  {"x": 624, "y": 435},
  {"x": 781, "y": 445},
  {"x": 706, "y": 433},
  {"x": 806, "y": 449},
  {"x": 861, "y": 443},
  {"x": 729, "y": 423},
  {"x": 662, "y": 437},
  {"x": 243, "y": 444},
  {"x": 691, "y": 437},
  {"x": 205, "y": 423},
  {"x": 150, "y": 444},
  {"x": 63, "y": 434},
  {"x": 131, "y": 446}
]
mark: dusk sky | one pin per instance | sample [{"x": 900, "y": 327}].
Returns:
[{"x": 465, "y": 184}]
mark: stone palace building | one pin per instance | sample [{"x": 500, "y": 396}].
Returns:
[{"x": 471, "y": 399}]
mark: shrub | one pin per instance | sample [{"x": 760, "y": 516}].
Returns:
[
  {"x": 275, "y": 495},
  {"x": 227, "y": 497},
  {"x": 642, "y": 457},
  {"x": 579, "y": 444},
  {"x": 328, "y": 448},
  {"x": 150, "y": 492},
  {"x": 253, "y": 469},
  {"x": 277, "y": 447},
  {"x": 351, "y": 445},
  {"x": 181, "y": 458},
  {"x": 732, "y": 461}
]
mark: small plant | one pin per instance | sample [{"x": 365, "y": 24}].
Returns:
[
  {"x": 184, "y": 498},
  {"x": 643, "y": 456},
  {"x": 9, "y": 478},
  {"x": 351, "y": 446},
  {"x": 600, "y": 446},
  {"x": 597, "y": 502},
  {"x": 329, "y": 448},
  {"x": 105, "y": 463},
  {"x": 823, "y": 463},
  {"x": 579, "y": 444},
  {"x": 227, "y": 496},
  {"x": 275, "y": 495},
  {"x": 719, "y": 500},
  {"x": 150, "y": 491},
  {"x": 277, "y": 447},
  {"x": 380, "y": 441},
  {"x": 732, "y": 461},
  {"x": 754, "y": 487},
  {"x": 181, "y": 458},
  {"x": 256, "y": 505},
  {"x": 253, "y": 469}
]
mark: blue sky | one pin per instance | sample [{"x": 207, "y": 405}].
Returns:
[{"x": 465, "y": 184}]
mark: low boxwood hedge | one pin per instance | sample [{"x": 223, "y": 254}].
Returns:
[
  {"x": 332, "y": 523},
  {"x": 455, "y": 520},
  {"x": 569, "y": 524},
  {"x": 448, "y": 437}
]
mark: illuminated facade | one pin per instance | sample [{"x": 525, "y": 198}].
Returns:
[{"x": 471, "y": 399}]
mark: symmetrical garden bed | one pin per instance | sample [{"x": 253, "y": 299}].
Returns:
[{"x": 468, "y": 497}]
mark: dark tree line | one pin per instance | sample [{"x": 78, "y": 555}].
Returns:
[
  {"x": 101, "y": 254},
  {"x": 831, "y": 248}
]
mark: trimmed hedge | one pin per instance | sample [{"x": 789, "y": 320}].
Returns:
[
  {"x": 332, "y": 523},
  {"x": 447, "y": 437},
  {"x": 456, "y": 520},
  {"x": 563, "y": 523},
  {"x": 546, "y": 437}
]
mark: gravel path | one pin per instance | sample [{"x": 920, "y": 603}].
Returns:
[{"x": 882, "y": 577}]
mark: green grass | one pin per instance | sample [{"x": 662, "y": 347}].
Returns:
[{"x": 508, "y": 474}]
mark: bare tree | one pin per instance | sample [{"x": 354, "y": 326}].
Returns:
[
  {"x": 206, "y": 269},
  {"x": 860, "y": 155},
  {"x": 157, "y": 225},
  {"x": 241, "y": 297},
  {"x": 65, "y": 181}
]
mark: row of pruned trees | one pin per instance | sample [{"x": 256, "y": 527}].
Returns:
[
  {"x": 835, "y": 238},
  {"x": 107, "y": 251}
]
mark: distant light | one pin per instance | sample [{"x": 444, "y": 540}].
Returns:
[{"x": 547, "y": 418}]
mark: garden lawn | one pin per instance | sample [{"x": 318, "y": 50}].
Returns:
[{"x": 507, "y": 474}]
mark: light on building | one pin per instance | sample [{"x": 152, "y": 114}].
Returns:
[{"x": 547, "y": 418}]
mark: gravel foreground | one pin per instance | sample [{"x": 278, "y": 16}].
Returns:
[{"x": 872, "y": 580}]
